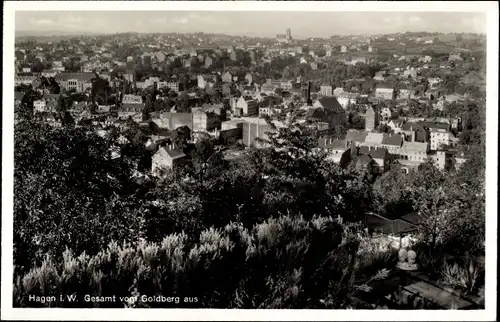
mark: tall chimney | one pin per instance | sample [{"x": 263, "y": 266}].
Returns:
[{"x": 309, "y": 101}]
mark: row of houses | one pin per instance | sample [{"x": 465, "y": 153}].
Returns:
[{"x": 411, "y": 144}]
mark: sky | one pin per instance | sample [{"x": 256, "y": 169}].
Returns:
[{"x": 247, "y": 23}]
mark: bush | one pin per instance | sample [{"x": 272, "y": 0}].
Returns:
[
  {"x": 465, "y": 274},
  {"x": 282, "y": 263}
]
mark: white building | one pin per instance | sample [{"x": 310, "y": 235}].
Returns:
[
  {"x": 414, "y": 151},
  {"x": 326, "y": 90},
  {"x": 39, "y": 105},
  {"x": 346, "y": 99},
  {"x": 132, "y": 99},
  {"x": 440, "y": 137}
]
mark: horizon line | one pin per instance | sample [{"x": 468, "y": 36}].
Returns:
[{"x": 77, "y": 33}]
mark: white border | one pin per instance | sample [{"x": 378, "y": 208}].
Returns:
[{"x": 491, "y": 8}]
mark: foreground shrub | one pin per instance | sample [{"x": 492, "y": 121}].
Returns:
[
  {"x": 466, "y": 274},
  {"x": 282, "y": 263}
]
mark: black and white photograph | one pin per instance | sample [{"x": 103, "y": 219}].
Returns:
[{"x": 250, "y": 157}]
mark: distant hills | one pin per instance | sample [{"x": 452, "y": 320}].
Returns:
[{"x": 20, "y": 34}]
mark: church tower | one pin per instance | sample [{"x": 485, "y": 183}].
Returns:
[{"x": 370, "y": 119}]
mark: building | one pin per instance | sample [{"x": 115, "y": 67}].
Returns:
[
  {"x": 172, "y": 120},
  {"x": 439, "y": 158},
  {"x": 414, "y": 132},
  {"x": 326, "y": 90},
  {"x": 384, "y": 92},
  {"x": 58, "y": 65},
  {"x": 233, "y": 56},
  {"x": 227, "y": 77},
  {"x": 337, "y": 91},
  {"x": 379, "y": 76},
  {"x": 253, "y": 56},
  {"x": 205, "y": 121},
  {"x": 232, "y": 124},
  {"x": 356, "y": 137},
  {"x": 425, "y": 59},
  {"x": 208, "y": 62},
  {"x": 370, "y": 119},
  {"x": 410, "y": 73},
  {"x": 373, "y": 139},
  {"x": 247, "y": 106},
  {"x": 174, "y": 85},
  {"x": 345, "y": 99},
  {"x": 286, "y": 38},
  {"x": 131, "y": 99},
  {"x": 79, "y": 82},
  {"x": 286, "y": 85},
  {"x": 377, "y": 154},
  {"x": 406, "y": 93},
  {"x": 166, "y": 158},
  {"x": 49, "y": 73},
  {"x": 24, "y": 80},
  {"x": 455, "y": 57},
  {"x": 147, "y": 60},
  {"x": 338, "y": 150},
  {"x": 396, "y": 125},
  {"x": 268, "y": 110},
  {"x": 205, "y": 81},
  {"x": 327, "y": 109},
  {"x": 306, "y": 92},
  {"x": 416, "y": 152},
  {"x": 48, "y": 103},
  {"x": 434, "y": 82},
  {"x": 385, "y": 114},
  {"x": 249, "y": 78},
  {"x": 130, "y": 110},
  {"x": 255, "y": 128},
  {"x": 441, "y": 136},
  {"x": 343, "y": 49},
  {"x": 393, "y": 143}
]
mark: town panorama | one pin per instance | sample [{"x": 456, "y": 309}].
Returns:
[{"x": 198, "y": 170}]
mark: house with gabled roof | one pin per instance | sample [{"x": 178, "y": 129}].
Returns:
[
  {"x": 392, "y": 142},
  {"x": 356, "y": 137},
  {"x": 166, "y": 158},
  {"x": 377, "y": 154},
  {"x": 227, "y": 77},
  {"x": 373, "y": 139},
  {"x": 246, "y": 105},
  {"x": 327, "y": 109},
  {"x": 366, "y": 162},
  {"x": 338, "y": 150}
]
